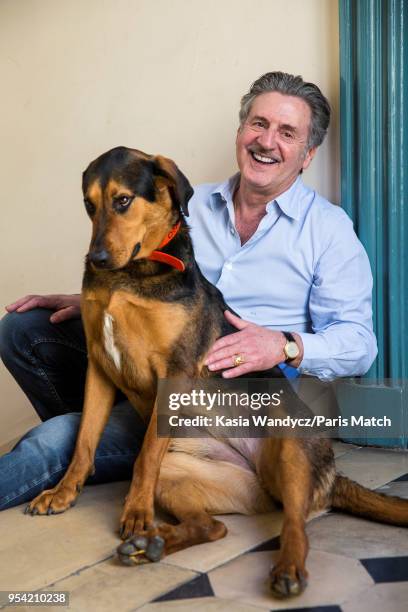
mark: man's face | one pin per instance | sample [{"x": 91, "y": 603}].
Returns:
[{"x": 271, "y": 145}]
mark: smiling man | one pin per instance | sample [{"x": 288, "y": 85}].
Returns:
[{"x": 287, "y": 261}]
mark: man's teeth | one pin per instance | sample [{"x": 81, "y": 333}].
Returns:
[{"x": 264, "y": 159}]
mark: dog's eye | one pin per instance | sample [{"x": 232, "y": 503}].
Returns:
[
  {"x": 123, "y": 200},
  {"x": 90, "y": 208},
  {"x": 122, "y": 203}
]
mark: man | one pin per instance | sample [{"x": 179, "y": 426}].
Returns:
[{"x": 285, "y": 259}]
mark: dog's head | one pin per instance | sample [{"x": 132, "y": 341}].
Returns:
[{"x": 133, "y": 200}]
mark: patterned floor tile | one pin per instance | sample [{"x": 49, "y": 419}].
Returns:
[
  {"x": 111, "y": 586},
  {"x": 380, "y": 598},
  {"x": 197, "y": 587},
  {"x": 273, "y": 544},
  {"x": 398, "y": 488},
  {"x": 373, "y": 467},
  {"x": 57, "y": 545},
  {"x": 355, "y": 537},
  {"x": 388, "y": 569},
  {"x": 402, "y": 478},
  {"x": 317, "y": 609},
  {"x": 333, "y": 579},
  {"x": 206, "y": 604}
]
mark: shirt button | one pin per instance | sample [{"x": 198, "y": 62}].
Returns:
[
  {"x": 232, "y": 231},
  {"x": 228, "y": 265}
]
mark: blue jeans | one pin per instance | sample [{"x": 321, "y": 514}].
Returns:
[{"x": 49, "y": 363}]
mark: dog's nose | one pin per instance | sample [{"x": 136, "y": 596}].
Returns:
[{"x": 100, "y": 258}]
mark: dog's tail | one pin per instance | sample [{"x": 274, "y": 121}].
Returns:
[{"x": 351, "y": 497}]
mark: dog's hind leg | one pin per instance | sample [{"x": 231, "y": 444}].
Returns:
[
  {"x": 284, "y": 469},
  {"x": 193, "y": 489}
]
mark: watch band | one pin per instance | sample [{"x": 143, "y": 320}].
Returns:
[{"x": 289, "y": 337}]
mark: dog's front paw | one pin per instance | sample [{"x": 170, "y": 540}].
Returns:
[
  {"x": 287, "y": 581},
  {"x": 141, "y": 549},
  {"x": 135, "y": 520},
  {"x": 53, "y": 501}
]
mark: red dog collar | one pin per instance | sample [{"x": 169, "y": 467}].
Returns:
[{"x": 157, "y": 255}]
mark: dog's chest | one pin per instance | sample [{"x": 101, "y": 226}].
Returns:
[
  {"x": 111, "y": 347},
  {"x": 131, "y": 336}
]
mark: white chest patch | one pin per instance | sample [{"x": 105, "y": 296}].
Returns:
[{"x": 109, "y": 340}]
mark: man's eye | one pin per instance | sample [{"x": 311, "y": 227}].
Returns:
[
  {"x": 288, "y": 134},
  {"x": 90, "y": 208}
]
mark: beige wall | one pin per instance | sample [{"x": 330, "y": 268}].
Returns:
[{"x": 82, "y": 76}]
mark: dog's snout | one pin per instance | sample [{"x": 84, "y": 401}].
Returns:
[{"x": 99, "y": 258}]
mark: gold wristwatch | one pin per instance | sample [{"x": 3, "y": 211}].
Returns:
[{"x": 290, "y": 349}]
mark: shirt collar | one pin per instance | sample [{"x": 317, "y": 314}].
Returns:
[
  {"x": 288, "y": 201},
  {"x": 223, "y": 192}
]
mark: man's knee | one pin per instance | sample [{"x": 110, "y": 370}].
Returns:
[
  {"x": 19, "y": 330},
  {"x": 12, "y": 332},
  {"x": 54, "y": 439}
]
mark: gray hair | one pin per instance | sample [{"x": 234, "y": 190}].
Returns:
[{"x": 291, "y": 85}]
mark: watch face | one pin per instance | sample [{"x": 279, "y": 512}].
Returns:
[{"x": 292, "y": 350}]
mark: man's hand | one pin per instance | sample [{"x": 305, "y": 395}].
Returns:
[
  {"x": 260, "y": 348},
  {"x": 65, "y": 306}
]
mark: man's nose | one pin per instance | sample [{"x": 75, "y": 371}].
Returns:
[{"x": 267, "y": 139}]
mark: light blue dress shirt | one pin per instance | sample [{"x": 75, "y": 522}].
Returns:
[{"x": 303, "y": 270}]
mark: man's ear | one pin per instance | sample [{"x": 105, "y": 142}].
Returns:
[
  {"x": 180, "y": 188},
  {"x": 308, "y": 157}
]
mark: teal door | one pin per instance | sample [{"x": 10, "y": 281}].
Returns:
[{"x": 374, "y": 192}]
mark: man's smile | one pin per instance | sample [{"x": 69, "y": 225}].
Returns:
[{"x": 262, "y": 158}]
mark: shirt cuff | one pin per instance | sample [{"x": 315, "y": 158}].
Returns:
[{"x": 315, "y": 354}]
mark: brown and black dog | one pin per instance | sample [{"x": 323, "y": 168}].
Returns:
[{"x": 149, "y": 314}]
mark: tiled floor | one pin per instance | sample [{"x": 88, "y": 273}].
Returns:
[{"x": 354, "y": 565}]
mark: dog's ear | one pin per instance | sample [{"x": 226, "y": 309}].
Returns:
[{"x": 180, "y": 188}]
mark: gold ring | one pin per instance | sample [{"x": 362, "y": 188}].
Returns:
[{"x": 237, "y": 360}]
